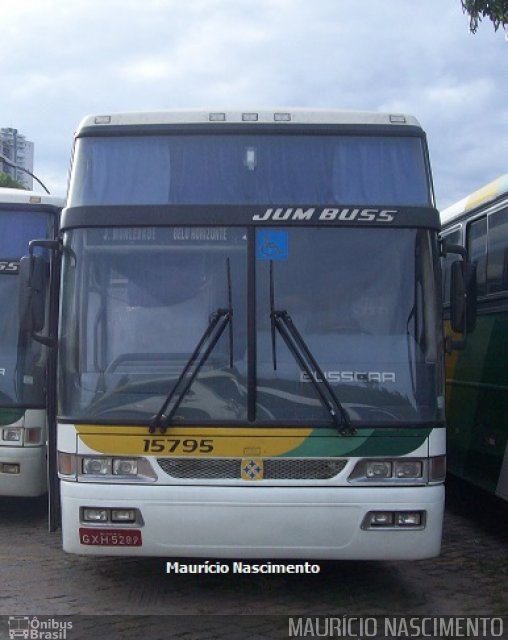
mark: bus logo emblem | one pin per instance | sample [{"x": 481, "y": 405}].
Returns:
[{"x": 252, "y": 469}]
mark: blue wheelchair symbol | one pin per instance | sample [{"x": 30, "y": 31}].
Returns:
[{"x": 272, "y": 245}]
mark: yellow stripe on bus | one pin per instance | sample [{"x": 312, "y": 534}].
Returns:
[{"x": 191, "y": 441}]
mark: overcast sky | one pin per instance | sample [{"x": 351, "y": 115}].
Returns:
[{"x": 62, "y": 59}]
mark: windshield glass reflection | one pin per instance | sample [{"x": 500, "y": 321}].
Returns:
[
  {"x": 23, "y": 361},
  {"x": 138, "y": 302}
]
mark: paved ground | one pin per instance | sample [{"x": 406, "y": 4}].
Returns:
[{"x": 37, "y": 578}]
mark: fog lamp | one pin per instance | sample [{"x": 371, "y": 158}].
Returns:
[
  {"x": 11, "y": 468},
  {"x": 123, "y": 515},
  {"x": 91, "y": 514},
  {"x": 408, "y": 518},
  {"x": 381, "y": 519}
]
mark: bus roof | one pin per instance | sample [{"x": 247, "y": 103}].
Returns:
[
  {"x": 490, "y": 192},
  {"x": 282, "y": 116},
  {"x": 20, "y": 196}
]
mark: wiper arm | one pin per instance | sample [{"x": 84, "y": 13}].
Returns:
[
  {"x": 283, "y": 323},
  {"x": 218, "y": 322}
]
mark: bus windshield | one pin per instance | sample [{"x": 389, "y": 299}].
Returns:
[
  {"x": 22, "y": 364},
  {"x": 138, "y": 300},
  {"x": 249, "y": 169}
]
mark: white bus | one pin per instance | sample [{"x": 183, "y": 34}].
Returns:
[
  {"x": 24, "y": 216},
  {"x": 250, "y": 337}
]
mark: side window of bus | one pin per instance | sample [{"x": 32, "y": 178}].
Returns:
[
  {"x": 477, "y": 249},
  {"x": 497, "y": 269},
  {"x": 453, "y": 237}
]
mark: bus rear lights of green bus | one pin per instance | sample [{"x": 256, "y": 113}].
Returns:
[
  {"x": 394, "y": 520},
  {"x": 101, "y": 515},
  {"x": 399, "y": 471},
  {"x": 21, "y": 435}
]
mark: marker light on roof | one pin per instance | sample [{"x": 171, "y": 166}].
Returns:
[
  {"x": 217, "y": 117},
  {"x": 35, "y": 199},
  {"x": 250, "y": 117},
  {"x": 397, "y": 119},
  {"x": 282, "y": 117},
  {"x": 102, "y": 119}
]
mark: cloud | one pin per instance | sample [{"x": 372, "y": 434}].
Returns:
[{"x": 74, "y": 58}]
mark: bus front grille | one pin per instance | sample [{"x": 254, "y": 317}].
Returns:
[{"x": 271, "y": 468}]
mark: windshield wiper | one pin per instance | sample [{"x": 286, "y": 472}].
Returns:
[
  {"x": 282, "y": 322},
  {"x": 217, "y": 323}
]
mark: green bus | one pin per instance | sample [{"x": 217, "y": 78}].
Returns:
[{"x": 477, "y": 376}]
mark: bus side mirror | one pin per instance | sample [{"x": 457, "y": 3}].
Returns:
[
  {"x": 32, "y": 293},
  {"x": 462, "y": 298}
]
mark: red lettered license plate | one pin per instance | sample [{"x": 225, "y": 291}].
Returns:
[{"x": 110, "y": 537}]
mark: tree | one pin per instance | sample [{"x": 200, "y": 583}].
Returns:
[
  {"x": 494, "y": 10},
  {"x": 7, "y": 181}
]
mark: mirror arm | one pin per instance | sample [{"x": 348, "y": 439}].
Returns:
[
  {"x": 51, "y": 343},
  {"x": 52, "y": 245},
  {"x": 447, "y": 248}
]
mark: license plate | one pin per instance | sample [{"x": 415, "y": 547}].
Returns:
[{"x": 110, "y": 537}]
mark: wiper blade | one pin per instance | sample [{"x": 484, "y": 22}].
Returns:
[
  {"x": 283, "y": 323},
  {"x": 218, "y": 322}
]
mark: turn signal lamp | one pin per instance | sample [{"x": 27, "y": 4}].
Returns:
[{"x": 33, "y": 435}]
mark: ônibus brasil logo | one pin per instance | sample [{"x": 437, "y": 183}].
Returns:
[{"x": 28, "y": 627}]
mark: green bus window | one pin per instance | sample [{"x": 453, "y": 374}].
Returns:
[
  {"x": 477, "y": 247},
  {"x": 497, "y": 269},
  {"x": 454, "y": 237}
]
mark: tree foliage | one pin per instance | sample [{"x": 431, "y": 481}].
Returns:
[
  {"x": 7, "y": 181},
  {"x": 494, "y": 10}
]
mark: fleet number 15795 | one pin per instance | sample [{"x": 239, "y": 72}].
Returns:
[{"x": 177, "y": 445}]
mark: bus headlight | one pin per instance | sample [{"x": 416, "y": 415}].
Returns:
[
  {"x": 97, "y": 466},
  {"x": 12, "y": 434},
  {"x": 408, "y": 469},
  {"x": 125, "y": 467},
  {"x": 392, "y": 471},
  {"x": 101, "y": 468},
  {"x": 378, "y": 469}
]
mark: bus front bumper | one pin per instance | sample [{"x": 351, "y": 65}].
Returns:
[
  {"x": 23, "y": 471},
  {"x": 252, "y": 522}
]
